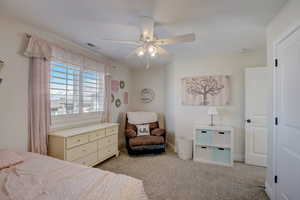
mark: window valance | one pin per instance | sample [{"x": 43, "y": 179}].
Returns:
[{"x": 40, "y": 48}]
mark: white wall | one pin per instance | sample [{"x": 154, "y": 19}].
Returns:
[
  {"x": 233, "y": 115},
  {"x": 14, "y": 87},
  {"x": 148, "y": 78},
  {"x": 169, "y": 99},
  {"x": 287, "y": 19},
  {"x": 121, "y": 73}
]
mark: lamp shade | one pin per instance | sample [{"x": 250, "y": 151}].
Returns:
[{"x": 212, "y": 111}]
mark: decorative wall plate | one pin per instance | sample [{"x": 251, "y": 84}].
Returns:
[
  {"x": 122, "y": 84},
  {"x": 147, "y": 95},
  {"x": 118, "y": 103}
]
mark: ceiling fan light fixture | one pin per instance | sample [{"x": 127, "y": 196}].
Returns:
[
  {"x": 153, "y": 54},
  {"x": 141, "y": 53},
  {"x": 151, "y": 49}
]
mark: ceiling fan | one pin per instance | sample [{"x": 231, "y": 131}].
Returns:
[{"x": 149, "y": 45}]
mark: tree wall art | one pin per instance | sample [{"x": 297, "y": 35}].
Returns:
[{"x": 206, "y": 90}]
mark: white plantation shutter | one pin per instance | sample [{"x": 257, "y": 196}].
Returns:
[
  {"x": 74, "y": 90},
  {"x": 64, "y": 88},
  {"x": 92, "y": 88}
]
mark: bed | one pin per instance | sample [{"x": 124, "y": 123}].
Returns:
[{"x": 39, "y": 177}]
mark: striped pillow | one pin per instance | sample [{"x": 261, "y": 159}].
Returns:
[{"x": 9, "y": 158}]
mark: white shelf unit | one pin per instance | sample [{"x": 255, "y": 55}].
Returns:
[{"x": 214, "y": 144}]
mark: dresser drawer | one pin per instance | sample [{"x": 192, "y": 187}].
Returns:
[
  {"x": 222, "y": 155},
  {"x": 203, "y": 138},
  {"x": 77, "y": 140},
  {"x": 88, "y": 160},
  {"x": 96, "y": 135},
  {"x": 112, "y": 130},
  {"x": 203, "y": 153},
  {"x": 109, "y": 151},
  {"x": 81, "y": 151},
  {"x": 221, "y": 138},
  {"x": 101, "y": 143},
  {"x": 110, "y": 140}
]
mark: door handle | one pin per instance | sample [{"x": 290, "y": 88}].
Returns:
[{"x": 248, "y": 121}]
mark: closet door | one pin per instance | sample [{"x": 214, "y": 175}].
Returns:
[{"x": 287, "y": 131}]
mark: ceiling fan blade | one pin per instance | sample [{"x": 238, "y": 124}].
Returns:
[
  {"x": 123, "y": 41},
  {"x": 147, "y": 28},
  {"x": 162, "y": 52},
  {"x": 134, "y": 52},
  {"x": 177, "y": 39}
]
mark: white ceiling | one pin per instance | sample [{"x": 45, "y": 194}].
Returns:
[{"x": 220, "y": 25}]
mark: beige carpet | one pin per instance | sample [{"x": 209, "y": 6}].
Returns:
[{"x": 166, "y": 177}]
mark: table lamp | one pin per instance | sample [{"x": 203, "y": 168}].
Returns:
[{"x": 212, "y": 111}]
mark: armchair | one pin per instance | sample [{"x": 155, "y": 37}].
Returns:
[{"x": 153, "y": 143}]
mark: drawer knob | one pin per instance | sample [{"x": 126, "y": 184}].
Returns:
[
  {"x": 83, "y": 149},
  {"x": 78, "y": 140}
]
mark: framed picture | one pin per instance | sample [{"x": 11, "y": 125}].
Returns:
[{"x": 206, "y": 90}]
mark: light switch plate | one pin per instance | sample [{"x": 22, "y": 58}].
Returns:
[{"x": 1, "y": 64}]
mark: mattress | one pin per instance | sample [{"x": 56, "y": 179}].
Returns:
[{"x": 45, "y": 178}]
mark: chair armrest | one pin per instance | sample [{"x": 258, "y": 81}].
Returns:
[
  {"x": 158, "y": 132},
  {"x": 130, "y": 133}
]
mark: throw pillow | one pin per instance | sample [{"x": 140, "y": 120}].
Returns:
[{"x": 143, "y": 129}]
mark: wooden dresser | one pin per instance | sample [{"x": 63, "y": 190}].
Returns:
[{"x": 88, "y": 145}]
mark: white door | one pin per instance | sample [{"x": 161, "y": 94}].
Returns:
[
  {"x": 256, "y": 91},
  {"x": 287, "y": 109}
]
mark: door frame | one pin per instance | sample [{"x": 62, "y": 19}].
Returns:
[{"x": 283, "y": 37}]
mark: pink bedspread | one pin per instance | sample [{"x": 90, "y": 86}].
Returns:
[{"x": 44, "y": 178}]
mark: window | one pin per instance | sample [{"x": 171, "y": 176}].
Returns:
[
  {"x": 92, "y": 91},
  {"x": 74, "y": 90}
]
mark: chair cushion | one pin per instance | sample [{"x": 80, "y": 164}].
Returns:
[
  {"x": 146, "y": 140},
  {"x": 130, "y": 133},
  {"x": 158, "y": 132}
]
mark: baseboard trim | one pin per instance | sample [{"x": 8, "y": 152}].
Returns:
[
  {"x": 238, "y": 157},
  {"x": 268, "y": 190}
]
